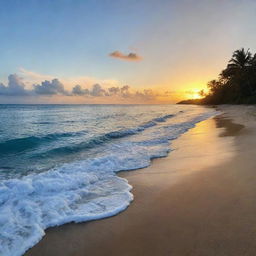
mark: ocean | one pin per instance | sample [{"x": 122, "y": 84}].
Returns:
[{"x": 59, "y": 163}]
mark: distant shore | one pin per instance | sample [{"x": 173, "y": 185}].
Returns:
[
  {"x": 190, "y": 101},
  {"x": 200, "y": 200}
]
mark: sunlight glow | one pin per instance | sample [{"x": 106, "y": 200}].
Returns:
[{"x": 193, "y": 94}]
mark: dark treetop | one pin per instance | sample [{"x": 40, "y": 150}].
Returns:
[{"x": 236, "y": 84}]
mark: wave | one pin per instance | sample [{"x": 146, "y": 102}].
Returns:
[
  {"x": 101, "y": 139},
  {"x": 163, "y": 118},
  {"x": 19, "y": 145},
  {"x": 79, "y": 191},
  {"x": 46, "y": 122},
  {"x": 15, "y": 146}
]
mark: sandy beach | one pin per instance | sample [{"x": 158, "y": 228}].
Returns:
[{"x": 200, "y": 200}]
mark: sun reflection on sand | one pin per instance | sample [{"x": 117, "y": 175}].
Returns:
[{"x": 200, "y": 148}]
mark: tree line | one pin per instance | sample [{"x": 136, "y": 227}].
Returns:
[{"x": 236, "y": 84}]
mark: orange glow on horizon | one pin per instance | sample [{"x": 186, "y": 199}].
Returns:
[
  {"x": 196, "y": 95},
  {"x": 193, "y": 94},
  {"x": 193, "y": 90}
]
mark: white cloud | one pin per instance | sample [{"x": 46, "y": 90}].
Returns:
[
  {"x": 78, "y": 90},
  {"x": 108, "y": 91},
  {"x": 50, "y": 88},
  {"x": 14, "y": 87}
]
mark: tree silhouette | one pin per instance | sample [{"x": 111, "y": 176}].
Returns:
[{"x": 236, "y": 83}]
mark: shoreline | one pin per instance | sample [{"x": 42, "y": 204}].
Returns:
[{"x": 172, "y": 208}]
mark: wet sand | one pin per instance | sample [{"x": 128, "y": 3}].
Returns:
[{"x": 200, "y": 200}]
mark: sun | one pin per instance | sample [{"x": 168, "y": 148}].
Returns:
[{"x": 194, "y": 94}]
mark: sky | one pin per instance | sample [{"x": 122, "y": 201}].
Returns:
[{"x": 144, "y": 51}]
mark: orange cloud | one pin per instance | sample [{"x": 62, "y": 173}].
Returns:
[{"x": 130, "y": 56}]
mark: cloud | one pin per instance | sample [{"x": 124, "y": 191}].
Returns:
[
  {"x": 54, "y": 90},
  {"x": 50, "y": 88},
  {"x": 113, "y": 90},
  {"x": 97, "y": 91},
  {"x": 124, "y": 92},
  {"x": 78, "y": 90},
  {"x": 130, "y": 56},
  {"x": 15, "y": 86},
  {"x": 147, "y": 94}
]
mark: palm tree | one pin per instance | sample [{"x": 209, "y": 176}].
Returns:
[
  {"x": 252, "y": 74},
  {"x": 236, "y": 83},
  {"x": 238, "y": 72},
  {"x": 240, "y": 60}
]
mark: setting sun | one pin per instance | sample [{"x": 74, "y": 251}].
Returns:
[{"x": 193, "y": 94}]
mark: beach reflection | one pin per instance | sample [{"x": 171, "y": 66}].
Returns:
[{"x": 200, "y": 148}]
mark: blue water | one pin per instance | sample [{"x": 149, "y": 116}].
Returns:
[{"x": 58, "y": 163}]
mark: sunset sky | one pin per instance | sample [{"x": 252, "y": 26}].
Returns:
[{"x": 145, "y": 51}]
